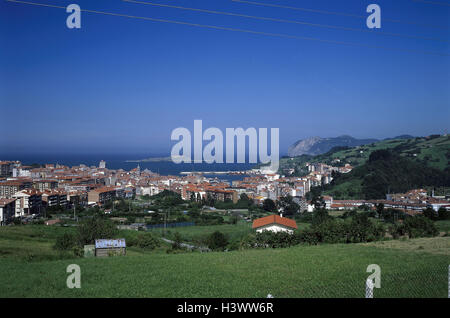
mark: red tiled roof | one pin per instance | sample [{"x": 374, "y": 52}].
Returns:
[{"x": 274, "y": 219}]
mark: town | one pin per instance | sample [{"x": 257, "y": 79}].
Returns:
[{"x": 30, "y": 191}]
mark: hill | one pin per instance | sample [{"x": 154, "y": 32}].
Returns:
[
  {"x": 432, "y": 151},
  {"x": 317, "y": 145},
  {"x": 384, "y": 172}
]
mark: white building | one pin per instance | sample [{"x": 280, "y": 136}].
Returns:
[{"x": 274, "y": 223}]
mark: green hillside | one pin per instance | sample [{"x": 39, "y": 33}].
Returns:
[
  {"x": 386, "y": 171},
  {"x": 432, "y": 151}
]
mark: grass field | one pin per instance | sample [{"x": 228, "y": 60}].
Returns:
[
  {"x": 443, "y": 226},
  {"x": 199, "y": 233},
  {"x": 410, "y": 268}
]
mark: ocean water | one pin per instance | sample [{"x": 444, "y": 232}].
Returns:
[{"x": 119, "y": 162}]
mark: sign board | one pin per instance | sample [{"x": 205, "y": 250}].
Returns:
[{"x": 110, "y": 243}]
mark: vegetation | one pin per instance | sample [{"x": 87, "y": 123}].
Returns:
[
  {"x": 385, "y": 172},
  {"x": 432, "y": 151},
  {"x": 299, "y": 271},
  {"x": 147, "y": 241},
  {"x": 269, "y": 205},
  {"x": 217, "y": 241}
]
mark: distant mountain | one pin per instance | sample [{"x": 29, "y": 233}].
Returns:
[{"x": 317, "y": 145}]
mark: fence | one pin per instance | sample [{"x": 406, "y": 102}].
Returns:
[
  {"x": 179, "y": 224},
  {"x": 424, "y": 282}
]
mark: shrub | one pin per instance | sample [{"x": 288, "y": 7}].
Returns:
[
  {"x": 420, "y": 226},
  {"x": 443, "y": 214},
  {"x": 268, "y": 239},
  {"x": 217, "y": 241},
  {"x": 17, "y": 221},
  {"x": 397, "y": 230},
  {"x": 65, "y": 242},
  {"x": 234, "y": 245},
  {"x": 78, "y": 251},
  {"x": 308, "y": 236},
  {"x": 361, "y": 229},
  {"x": 95, "y": 228},
  {"x": 147, "y": 241},
  {"x": 176, "y": 245},
  {"x": 329, "y": 230}
]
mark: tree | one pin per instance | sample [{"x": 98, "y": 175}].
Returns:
[
  {"x": 430, "y": 213},
  {"x": 95, "y": 228},
  {"x": 288, "y": 206},
  {"x": 269, "y": 205},
  {"x": 244, "y": 201},
  {"x": 147, "y": 241},
  {"x": 443, "y": 213},
  {"x": 217, "y": 241},
  {"x": 65, "y": 242},
  {"x": 318, "y": 202},
  {"x": 319, "y": 216},
  {"x": 380, "y": 209},
  {"x": 177, "y": 241}
]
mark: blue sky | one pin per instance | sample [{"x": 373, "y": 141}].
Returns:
[{"x": 122, "y": 85}]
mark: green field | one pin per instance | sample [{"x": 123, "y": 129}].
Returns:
[
  {"x": 198, "y": 233},
  {"x": 410, "y": 268},
  {"x": 443, "y": 226}
]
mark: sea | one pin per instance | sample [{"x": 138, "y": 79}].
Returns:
[{"x": 119, "y": 161}]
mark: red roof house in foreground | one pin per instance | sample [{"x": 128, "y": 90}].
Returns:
[{"x": 274, "y": 223}]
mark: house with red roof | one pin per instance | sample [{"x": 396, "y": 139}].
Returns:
[{"x": 274, "y": 223}]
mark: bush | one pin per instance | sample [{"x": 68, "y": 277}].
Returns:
[
  {"x": 308, "y": 236},
  {"x": 95, "y": 228},
  {"x": 397, "y": 230},
  {"x": 65, "y": 242},
  {"x": 234, "y": 245},
  {"x": 361, "y": 229},
  {"x": 414, "y": 226},
  {"x": 147, "y": 241},
  {"x": 443, "y": 214},
  {"x": 268, "y": 239},
  {"x": 217, "y": 241},
  {"x": 420, "y": 226},
  {"x": 177, "y": 240},
  {"x": 17, "y": 221},
  {"x": 329, "y": 230},
  {"x": 78, "y": 251}
]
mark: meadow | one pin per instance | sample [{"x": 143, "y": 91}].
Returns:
[
  {"x": 410, "y": 268},
  {"x": 197, "y": 234}
]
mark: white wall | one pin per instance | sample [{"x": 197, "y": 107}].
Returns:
[{"x": 274, "y": 228}]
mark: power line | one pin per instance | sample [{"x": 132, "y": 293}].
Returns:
[
  {"x": 286, "y": 21},
  {"x": 240, "y": 30},
  {"x": 334, "y": 13}
]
